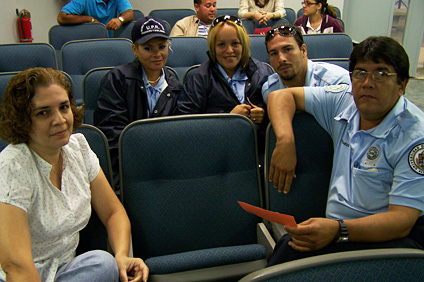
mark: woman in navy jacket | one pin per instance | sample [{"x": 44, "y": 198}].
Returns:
[
  {"x": 138, "y": 90},
  {"x": 230, "y": 81}
]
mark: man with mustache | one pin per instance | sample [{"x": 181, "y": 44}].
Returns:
[
  {"x": 376, "y": 196},
  {"x": 197, "y": 25},
  {"x": 289, "y": 57}
]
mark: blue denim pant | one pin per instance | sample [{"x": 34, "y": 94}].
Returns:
[{"x": 93, "y": 266}]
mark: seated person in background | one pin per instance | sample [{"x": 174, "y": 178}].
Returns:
[
  {"x": 141, "y": 89},
  {"x": 112, "y": 13},
  {"x": 289, "y": 57},
  {"x": 318, "y": 17},
  {"x": 50, "y": 180},
  {"x": 230, "y": 81},
  {"x": 261, "y": 10},
  {"x": 376, "y": 195},
  {"x": 199, "y": 24}
]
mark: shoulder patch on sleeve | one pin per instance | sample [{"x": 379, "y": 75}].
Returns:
[
  {"x": 416, "y": 159},
  {"x": 336, "y": 88}
]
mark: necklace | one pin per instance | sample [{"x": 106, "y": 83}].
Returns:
[{"x": 153, "y": 81}]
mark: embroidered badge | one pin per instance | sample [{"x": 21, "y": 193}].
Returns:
[
  {"x": 336, "y": 88},
  {"x": 416, "y": 159},
  {"x": 372, "y": 155}
]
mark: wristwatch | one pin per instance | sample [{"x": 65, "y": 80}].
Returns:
[
  {"x": 121, "y": 19},
  {"x": 344, "y": 233},
  {"x": 92, "y": 19}
]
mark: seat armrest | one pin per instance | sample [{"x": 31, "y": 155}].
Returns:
[
  {"x": 277, "y": 230},
  {"x": 265, "y": 239}
]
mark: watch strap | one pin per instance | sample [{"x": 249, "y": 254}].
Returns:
[{"x": 344, "y": 233}]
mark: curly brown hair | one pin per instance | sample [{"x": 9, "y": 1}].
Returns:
[{"x": 15, "y": 122}]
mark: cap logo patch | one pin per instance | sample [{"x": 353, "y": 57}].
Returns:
[
  {"x": 152, "y": 26},
  {"x": 416, "y": 159}
]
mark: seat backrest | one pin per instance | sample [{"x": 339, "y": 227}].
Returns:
[
  {"x": 344, "y": 63},
  {"x": 258, "y": 48},
  {"x": 80, "y": 56},
  {"x": 290, "y": 15},
  {"x": 365, "y": 265},
  {"x": 189, "y": 72},
  {"x": 124, "y": 31},
  {"x": 227, "y": 11},
  {"x": 91, "y": 85},
  {"x": 171, "y": 15},
  {"x": 3, "y": 144},
  {"x": 186, "y": 174},
  {"x": 328, "y": 45},
  {"x": 308, "y": 193},
  {"x": 138, "y": 14},
  {"x": 4, "y": 79},
  {"x": 173, "y": 72},
  {"x": 22, "y": 56},
  {"x": 94, "y": 235},
  {"x": 60, "y": 34},
  {"x": 185, "y": 52},
  {"x": 342, "y": 23}
]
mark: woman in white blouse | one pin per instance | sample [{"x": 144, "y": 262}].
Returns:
[
  {"x": 50, "y": 180},
  {"x": 261, "y": 10}
]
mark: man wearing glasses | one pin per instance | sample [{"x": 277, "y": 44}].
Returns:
[
  {"x": 289, "y": 57},
  {"x": 376, "y": 194}
]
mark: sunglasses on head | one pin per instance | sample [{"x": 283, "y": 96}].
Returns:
[
  {"x": 225, "y": 18},
  {"x": 282, "y": 30}
]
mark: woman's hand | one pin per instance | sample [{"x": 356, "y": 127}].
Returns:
[{"x": 132, "y": 269}]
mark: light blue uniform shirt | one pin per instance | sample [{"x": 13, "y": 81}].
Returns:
[
  {"x": 153, "y": 92},
  {"x": 317, "y": 74},
  {"x": 372, "y": 168},
  {"x": 97, "y": 9},
  {"x": 237, "y": 82}
]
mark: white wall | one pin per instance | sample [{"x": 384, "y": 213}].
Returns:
[{"x": 44, "y": 13}]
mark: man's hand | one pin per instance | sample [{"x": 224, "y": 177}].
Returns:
[
  {"x": 114, "y": 24},
  {"x": 283, "y": 163},
  {"x": 313, "y": 234}
]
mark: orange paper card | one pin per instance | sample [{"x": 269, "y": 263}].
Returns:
[{"x": 276, "y": 217}]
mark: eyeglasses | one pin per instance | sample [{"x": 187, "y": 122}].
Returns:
[
  {"x": 282, "y": 30},
  {"x": 377, "y": 76},
  {"x": 225, "y": 18},
  {"x": 307, "y": 4}
]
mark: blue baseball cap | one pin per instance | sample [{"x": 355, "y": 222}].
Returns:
[{"x": 147, "y": 28}]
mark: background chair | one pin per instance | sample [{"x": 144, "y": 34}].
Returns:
[
  {"x": 344, "y": 63},
  {"x": 290, "y": 15},
  {"x": 181, "y": 178},
  {"x": 94, "y": 235},
  {"x": 3, "y": 144},
  {"x": 308, "y": 193},
  {"x": 328, "y": 45},
  {"x": 171, "y": 15},
  {"x": 189, "y": 72},
  {"x": 91, "y": 85},
  {"x": 124, "y": 31},
  {"x": 258, "y": 48},
  {"x": 21, "y": 56},
  {"x": 227, "y": 11},
  {"x": 4, "y": 79},
  {"x": 390, "y": 265},
  {"x": 185, "y": 52},
  {"x": 138, "y": 14},
  {"x": 80, "y": 56},
  {"x": 60, "y": 34}
]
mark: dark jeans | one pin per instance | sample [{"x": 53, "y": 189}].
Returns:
[{"x": 284, "y": 253}]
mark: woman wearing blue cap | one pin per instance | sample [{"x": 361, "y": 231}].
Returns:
[{"x": 141, "y": 89}]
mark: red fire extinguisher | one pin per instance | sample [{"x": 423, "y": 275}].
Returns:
[{"x": 24, "y": 25}]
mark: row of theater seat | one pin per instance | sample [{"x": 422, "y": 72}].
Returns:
[
  {"x": 78, "y": 57},
  {"x": 181, "y": 178}
]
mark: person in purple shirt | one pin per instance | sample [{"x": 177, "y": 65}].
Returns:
[{"x": 318, "y": 17}]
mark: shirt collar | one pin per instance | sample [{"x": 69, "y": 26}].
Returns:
[{"x": 238, "y": 76}]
